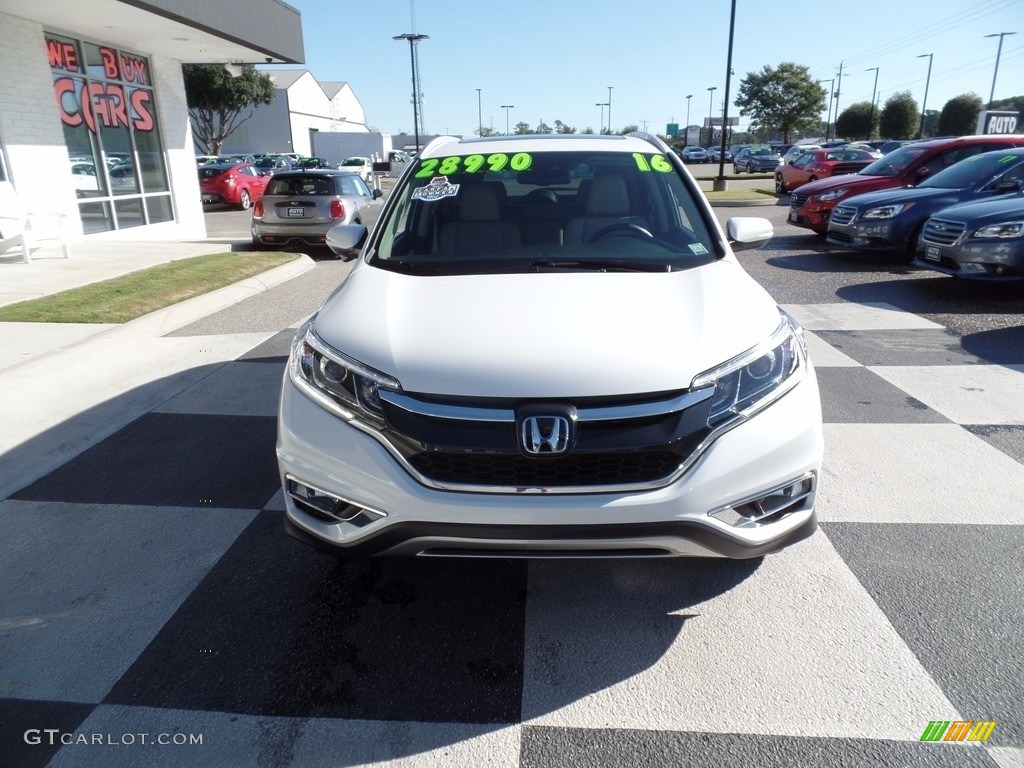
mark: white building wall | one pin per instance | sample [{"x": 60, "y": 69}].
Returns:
[
  {"x": 308, "y": 107},
  {"x": 30, "y": 126},
  {"x": 347, "y": 113}
]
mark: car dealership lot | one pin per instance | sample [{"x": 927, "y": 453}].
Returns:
[{"x": 151, "y": 588}]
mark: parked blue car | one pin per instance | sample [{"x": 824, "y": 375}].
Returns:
[
  {"x": 892, "y": 220},
  {"x": 979, "y": 241}
]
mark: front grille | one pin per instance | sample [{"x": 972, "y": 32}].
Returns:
[
  {"x": 942, "y": 231},
  {"x": 843, "y": 215},
  {"x": 575, "y": 469},
  {"x": 475, "y": 445},
  {"x": 796, "y": 200}
]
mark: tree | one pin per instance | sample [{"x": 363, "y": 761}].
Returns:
[
  {"x": 855, "y": 121},
  {"x": 543, "y": 127},
  {"x": 900, "y": 117},
  {"x": 217, "y": 101},
  {"x": 486, "y": 131},
  {"x": 782, "y": 99},
  {"x": 959, "y": 116},
  {"x": 523, "y": 129},
  {"x": 561, "y": 127},
  {"x": 631, "y": 128},
  {"x": 931, "y": 123}
]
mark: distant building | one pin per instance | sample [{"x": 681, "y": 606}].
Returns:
[{"x": 302, "y": 106}]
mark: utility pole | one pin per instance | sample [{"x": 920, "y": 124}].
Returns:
[{"x": 839, "y": 88}]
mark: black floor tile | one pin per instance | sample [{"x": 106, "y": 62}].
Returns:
[
  {"x": 858, "y": 396},
  {"x": 24, "y": 741},
  {"x": 277, "y": 628},
  {"x": 169, "y": 459},
  {"x": 952, "y": 594},
  {"x": 582, "y": 748},
  {"x": 918, "y": 346}
]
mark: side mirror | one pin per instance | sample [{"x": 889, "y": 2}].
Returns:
[
  {"x": 378, "y": 193},
  {"x": 748, "y": 232},
  {"x": 343, "y": 239}
]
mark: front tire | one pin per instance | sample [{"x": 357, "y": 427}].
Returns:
[
  {"x": 780, "y": 185},
  {"x": 736, "y": 170}
]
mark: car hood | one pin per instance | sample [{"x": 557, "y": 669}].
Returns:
[
  {"x": 906, "y": 195},
  {"x": 547, "y": 334},
  {"x": 991, "y": 211},
  {"x": 854, "y": 181}
]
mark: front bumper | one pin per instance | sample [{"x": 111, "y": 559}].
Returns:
[{"x": 692, "y": 516}]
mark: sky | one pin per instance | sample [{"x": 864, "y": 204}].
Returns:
[{"x": 551, "y": 60}]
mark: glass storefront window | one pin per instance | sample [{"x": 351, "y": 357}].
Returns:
[{"x": 108, "y": 111}]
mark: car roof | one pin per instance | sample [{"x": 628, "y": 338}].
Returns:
[{"x": 635, "y": 142}]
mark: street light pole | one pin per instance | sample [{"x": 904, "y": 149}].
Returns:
[
  {"x": 711, "y": 101},
  {"x": 924, "y": 104},
  {"x": 720, "y": 182},
  {"x": 831, "y": 93},
  {"x": 413, "y": 39},
  {"x": 871, "y": 120},
  {"x": 609, "y": 109},
  {"x": 602, "y": 105},
  {"x": 507, "y": 107},
  {"x": 999, "y": 51},
  {"x": 479, "y": 115},
  {"x": 686, "y": 128}
]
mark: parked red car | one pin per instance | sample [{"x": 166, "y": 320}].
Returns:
[
  {"x": 820, "y": 164},
  {"x": 239, "y": 184},
  {"x": 811, "y": 205}
]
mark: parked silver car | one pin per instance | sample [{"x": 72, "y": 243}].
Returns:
[{"x": 298, "y": 207}]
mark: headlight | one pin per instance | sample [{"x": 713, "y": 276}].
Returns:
[
  {"x": 755, "y": 379},
  {"x": 341, "y": 385},
  {"x": 832, "y": 194},
  {"x": 886, "y": 211},
  {"x": 1005, "y": 229}
]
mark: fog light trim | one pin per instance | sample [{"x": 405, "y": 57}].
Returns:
[
  {"x": 777, "y": 502},
  {"x": 329, "y": 507}
]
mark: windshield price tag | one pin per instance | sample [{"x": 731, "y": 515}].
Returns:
[{"x": 499, "y": 161}]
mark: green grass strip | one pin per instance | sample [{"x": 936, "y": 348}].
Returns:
[{"x": 138, "y": 293}]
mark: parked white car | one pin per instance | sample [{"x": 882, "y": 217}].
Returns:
[
  {"x": 548, "y": 347},
  {"x": 361, "y": 165}
]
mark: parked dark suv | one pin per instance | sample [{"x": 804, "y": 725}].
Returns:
[{"x": 811, "y": 205}]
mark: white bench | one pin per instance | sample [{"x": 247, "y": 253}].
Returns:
[{"x": 18, "y": 229}]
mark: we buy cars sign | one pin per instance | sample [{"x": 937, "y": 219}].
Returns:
[{"x": 990, "y": 122}]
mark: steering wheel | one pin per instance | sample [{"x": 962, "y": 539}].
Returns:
[{"x": 621, "y": 228}]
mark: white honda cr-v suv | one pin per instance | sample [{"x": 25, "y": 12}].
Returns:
[{"x": 548, "y": 348}]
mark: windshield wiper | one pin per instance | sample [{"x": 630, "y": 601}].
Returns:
[
  {"x": 602, "y": 265},
  {"x": 405, "y": 267}
]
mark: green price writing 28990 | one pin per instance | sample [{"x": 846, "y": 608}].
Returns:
[{"x": 436, "y": 166}]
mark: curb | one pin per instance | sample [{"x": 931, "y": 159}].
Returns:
[{"x": 169, "y": 319}]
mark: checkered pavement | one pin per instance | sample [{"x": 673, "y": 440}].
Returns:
[{"x": 150, "y": 589}]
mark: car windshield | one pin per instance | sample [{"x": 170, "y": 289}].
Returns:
[
  {"x": 353, "y": 161},
  {"x": 976, "y": 170},
  {"x": 300, "y": 185},
  {"x": 543, "y": 211},
  {"x": 894, "y": 163},
  {"x": 761, "y": 151}
]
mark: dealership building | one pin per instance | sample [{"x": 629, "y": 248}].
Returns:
[{"x": 93, "y": 115}]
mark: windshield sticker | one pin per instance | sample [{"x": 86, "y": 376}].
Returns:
[
  {"x": 521, "y": 161},
  {"x": 437, "y": 189},
  {"x": 657, "y": 163},
  {"x": 698, "y": 249}
]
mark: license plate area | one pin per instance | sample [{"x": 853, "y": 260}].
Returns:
[
  {"x": 793, "y": 216},
  {"x": 933, "y": 253},
  {"x": 296, "y": 213}
]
